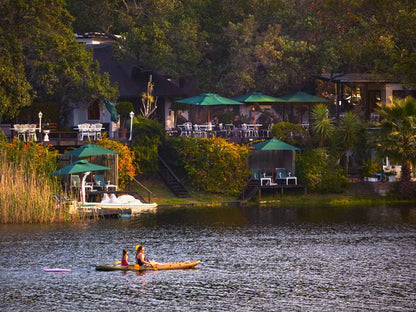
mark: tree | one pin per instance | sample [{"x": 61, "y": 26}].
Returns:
[
  {"x": 38, "y": 37},
  {"x": 322, "y": 126},
  {"x": 347, "y": 134},
  {"x": 397, "y": 138},
  {"x": 149, "y": 102}
]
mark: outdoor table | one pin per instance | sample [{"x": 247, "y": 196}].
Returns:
[
  {"x": 288, "y": 178},
  {"x": 267, "y": 181}
]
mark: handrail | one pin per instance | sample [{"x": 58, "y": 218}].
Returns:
[
  {"x": 134, "y": 179},
  {"x": 170, "y": 171},
  {"x": 148, "y": 191}
]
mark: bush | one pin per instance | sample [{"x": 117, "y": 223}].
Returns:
[
  {"x": 320, "y": 172},
  {"x": 149, "y": 134},
  {"x": 215, "y": 165},
  {"x": 123, "y": 109},
  {"x": 126, "y": 168},
  {"x": 290, "y": 133}
]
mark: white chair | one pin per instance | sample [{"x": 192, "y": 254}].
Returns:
[
  {"x": 198, "y": 133},
  {"x": 95, "y": 131},
  {"x": 21, "y": 133},
  {"x": 84, "y": 131},
  {"x": 32, "y": 132}
]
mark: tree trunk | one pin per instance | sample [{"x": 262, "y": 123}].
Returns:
[{"x": 405, "y": 187}]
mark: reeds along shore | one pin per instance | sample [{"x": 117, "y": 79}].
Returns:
[{"x": 26, "y": 198}]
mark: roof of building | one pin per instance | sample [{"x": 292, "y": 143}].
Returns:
[
  {"x": 357, "y": 77},
  {"x": 131, "y": 80}
]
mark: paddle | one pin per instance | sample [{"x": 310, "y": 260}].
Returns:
[{"x": 117, "y": 262}]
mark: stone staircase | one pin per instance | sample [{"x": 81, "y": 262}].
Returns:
[
  {"x": 171, "y": 180},
  {"x": 251, "y": 189}
]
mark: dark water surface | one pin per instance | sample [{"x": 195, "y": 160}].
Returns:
[{"x": 253, "y": 259}]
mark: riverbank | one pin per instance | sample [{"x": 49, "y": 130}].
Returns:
[{"x": 358, "y": 193}]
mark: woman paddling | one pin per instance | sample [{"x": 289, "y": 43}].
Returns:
[{"x": 140, "y": 256}]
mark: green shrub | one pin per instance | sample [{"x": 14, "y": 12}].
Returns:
[
  {"x": 215, "y": 165},
  {"x": 290, "y": 133},
  {"x": 123, "y": 109},
  {"x": 320, "y": 172},
  {"x": 149, "y": 134}
]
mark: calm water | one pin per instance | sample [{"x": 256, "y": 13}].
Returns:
[{"x": 253, "y": 259}]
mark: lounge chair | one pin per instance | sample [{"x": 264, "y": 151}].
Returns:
[
  {"x": 100, "y": 184},
  {"x": 255, "y": 174},
  {"x": 282, "y": 177},
  {"x": 76, "y": 183}
]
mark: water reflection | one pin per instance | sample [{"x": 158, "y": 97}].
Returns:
[{"x": 253, "y": 259}]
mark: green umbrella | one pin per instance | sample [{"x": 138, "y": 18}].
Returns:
[
  {"x": 274, "y": 145},
  {"x": 257, "y": 97},
  {"x": 209, "y": 99},
  {"x": 90, "y": 150},
  {"x": 79, "y": 167},
  {"x": 302, "y": 97}
]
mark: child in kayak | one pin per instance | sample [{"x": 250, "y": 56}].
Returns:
[{"x": 125, "y": 258}]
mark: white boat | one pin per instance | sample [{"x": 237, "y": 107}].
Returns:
[{"x": 125, "y": 204}]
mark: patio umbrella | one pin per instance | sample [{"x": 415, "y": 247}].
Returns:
[
  {"x": 257, "y": 97},
  {"x": 274, "y": 145},
  {"x": 302, "y": 97},
  {"x": 273, "y": 153},
  {"x": 90, "y": 150},
  {"x": 209, "y": 99},
  {"x": 80, "y": 166}
]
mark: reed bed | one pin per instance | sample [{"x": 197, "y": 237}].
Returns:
[
  {"x": 25, "y": 198},
  {"x": 26, "y": 188}
]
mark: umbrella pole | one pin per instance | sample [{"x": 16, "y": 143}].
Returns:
[{"x": 83, "y": 186}]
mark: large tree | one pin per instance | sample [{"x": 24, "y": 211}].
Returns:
[
  {"x": 397, "y": 138},
  {"x": 40, "y": 44},
  {"x": 273, "y": 46}
]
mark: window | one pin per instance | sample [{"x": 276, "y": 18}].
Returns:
[{"x": 94, "y": 111}]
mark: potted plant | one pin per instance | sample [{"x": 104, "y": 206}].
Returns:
[
  {"x": 123, "y": 109},
  {"x": 370, "y": 170}
]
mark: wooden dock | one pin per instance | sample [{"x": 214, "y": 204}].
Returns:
[{"x": 254, "y": 187}]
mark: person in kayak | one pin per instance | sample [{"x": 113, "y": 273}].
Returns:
[
  {"x": 140, "y": 256},
  {"x": 125, "y": 257}
]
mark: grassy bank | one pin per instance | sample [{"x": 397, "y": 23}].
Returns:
[{"x": 357, "y": 194}]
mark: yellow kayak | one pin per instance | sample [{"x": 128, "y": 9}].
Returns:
[{"x": 155, "y": 266}]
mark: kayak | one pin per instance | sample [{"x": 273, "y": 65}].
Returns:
[{"x": 155, "y": 266}]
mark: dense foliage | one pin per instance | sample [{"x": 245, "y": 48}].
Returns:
[
  {"x": 290, "y": 133},
  {"x": 270, "y": 46},
  {"x": 126, "y": 167},
  {"x": 320, "y": 172},
  {"x": 215, "y": 165},
  {"x": 397, "y": 138},
  {"x": 42, "y": 61},
  {"x": 149, "y": 134}
]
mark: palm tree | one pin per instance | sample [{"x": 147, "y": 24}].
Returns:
[
  {"x": 347, "y": 133},
  {"x": 322, "y": 126},
  {"x": 397, "y": 138}
]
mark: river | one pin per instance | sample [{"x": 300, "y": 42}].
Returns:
[{"x": 252, "y": 259}]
